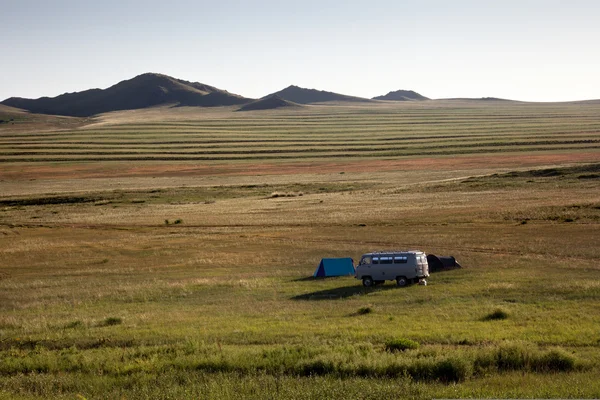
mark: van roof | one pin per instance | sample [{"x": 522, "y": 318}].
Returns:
[{"x": 376, "y": 253}]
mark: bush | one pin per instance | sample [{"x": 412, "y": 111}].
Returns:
[
  {"x": 556, "y": 360},
  {"x": 497, "y": 314},
  {"x": 401, "y": 345},
  {"x": 452, "y": 370},
  {"x": 514, "y": 357},
  {"x": 444, "y": 370},
  {"x": 315, "y": 368},
  {"x": 364, "y": 310},
  {"x": 74, "y": 325},
  {"x": 518, "y": 357},
  {"x": 112, "y": 321}
]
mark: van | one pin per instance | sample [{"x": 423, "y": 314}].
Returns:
[{"x": 404, "y": 267}]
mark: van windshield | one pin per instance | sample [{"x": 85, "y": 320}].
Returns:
[{"x": 365, "y": 260}]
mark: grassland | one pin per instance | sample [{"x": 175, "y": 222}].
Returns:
[
  {"x": 317, "y": 132},
  {"x": 165, "y": 253}
]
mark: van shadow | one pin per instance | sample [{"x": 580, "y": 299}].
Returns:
[
  {"x": 317, "y": 278},
  {"x": 342, "y": 292}
]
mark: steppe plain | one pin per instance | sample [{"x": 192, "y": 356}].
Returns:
[{"x": 167, "y": 252}]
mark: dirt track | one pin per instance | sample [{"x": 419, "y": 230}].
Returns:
[{"x": 116, "y": 170}]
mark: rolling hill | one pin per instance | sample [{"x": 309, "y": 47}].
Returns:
[
  {"x": 146, "y": 90},
  {"x": 402, "y": 95},
  {"x": 478, "y": 99},
  {"x": 300, "y": 95},
  {"x": 270, "y": 102}
]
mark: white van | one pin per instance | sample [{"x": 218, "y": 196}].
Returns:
[{"x": 404, "y": 267}]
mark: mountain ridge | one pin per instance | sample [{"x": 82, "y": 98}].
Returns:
[
  {"x": 269, "y": 102},
  {"x": 300, "y": 95},
  {"x": 402, "y": 95},
  {"x": 142, "y": 91}
]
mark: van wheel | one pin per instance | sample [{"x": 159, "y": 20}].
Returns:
[
  {"x": 401, "y": 281},
  {"x": 367, "y": 281}
]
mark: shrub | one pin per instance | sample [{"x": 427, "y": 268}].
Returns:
[
  {"x": 275, "y": 195},
  {"x": 445, "y": 370},
  {"x": 556, "y": 360},
  {"x": 112, "y": 321},
  {"x": 452, "y": 370},
  {"x": 496, "y": 315},
  {"x": 421, "y": 370},
  {"x": 316, "y": 367},
  {"x": 178, "y": 221},
  {"x": 518, "y": 357},
  {"x": 364, "y": 310},
  {"x": 74, "y": 324},
  {"x": 514, "y": 357},
  {"x": 401, "y": 345}
]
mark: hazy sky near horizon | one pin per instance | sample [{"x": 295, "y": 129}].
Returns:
[{"x": 534, "y": 50}]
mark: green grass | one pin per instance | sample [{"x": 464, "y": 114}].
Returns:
[{"x": 100, "y": 297}]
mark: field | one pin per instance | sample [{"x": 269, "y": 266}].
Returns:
[{"x": 167, "y": 252}]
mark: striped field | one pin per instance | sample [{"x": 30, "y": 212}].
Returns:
[{"x": 316, "y": 132}]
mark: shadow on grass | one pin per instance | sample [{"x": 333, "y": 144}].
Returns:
[
  {"x": 318, "y": 278},
  {"x": 341, "y": 292}
]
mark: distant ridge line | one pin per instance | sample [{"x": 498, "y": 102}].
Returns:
[
  {"x": 402, "y": 95},
  {"x": 301, "y": 95},
  {"x": 143, "y": 91},
  {"x": 155, "y": 89}
]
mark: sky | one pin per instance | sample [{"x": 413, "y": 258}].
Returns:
[{"x": 530, "y": 50}]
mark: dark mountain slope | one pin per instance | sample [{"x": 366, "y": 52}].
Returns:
[
  {"x": 402, "y": 95},
  {"x": 270, "y": 102},
  {"x": 143, "y": 91},
  {"x": 306, "y": 96}
]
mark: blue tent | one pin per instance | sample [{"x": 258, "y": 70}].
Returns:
[{"x": 334, "y": 267}]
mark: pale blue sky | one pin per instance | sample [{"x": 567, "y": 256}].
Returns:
[{"x": 536, "y": 50}]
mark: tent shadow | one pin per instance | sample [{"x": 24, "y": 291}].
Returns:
[{"x": 341, "y": 292}]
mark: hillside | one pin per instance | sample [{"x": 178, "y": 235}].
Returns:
[
  {"x": 478, "y": 99},
  {"x": 10, "y": 110},
  {"x": 143, "y": 91},
  {"x": 402, "y": 95},
  {"x": 300, "y": 95},
  {"x": 13, "y": 120},
  {"x": 268, "y": 103}
]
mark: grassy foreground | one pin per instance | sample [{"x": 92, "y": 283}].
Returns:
[{"x": 202, "y": 288}]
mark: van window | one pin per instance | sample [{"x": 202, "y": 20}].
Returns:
[
  {"x": 375, "y": 260},
  {"x": 365, "y": 260},
  {"x": 386, "y": 260},
  {"x": 400, "y": 260}
]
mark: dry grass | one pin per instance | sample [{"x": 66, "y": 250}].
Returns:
[{"x": 341, "y": 132}]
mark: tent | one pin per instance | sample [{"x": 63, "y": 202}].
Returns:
[
  {"x": 441, "y": 263},
  {"x": 334, "y": 267}
]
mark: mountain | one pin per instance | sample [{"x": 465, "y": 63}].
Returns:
[
  {"x": 477, "y": 99},
  {"x": 306, "y": 96},
  {"x": 143, "y": 91},
  {"x": 402, "y": 95},
  {"x": 270, "y": 102}
]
